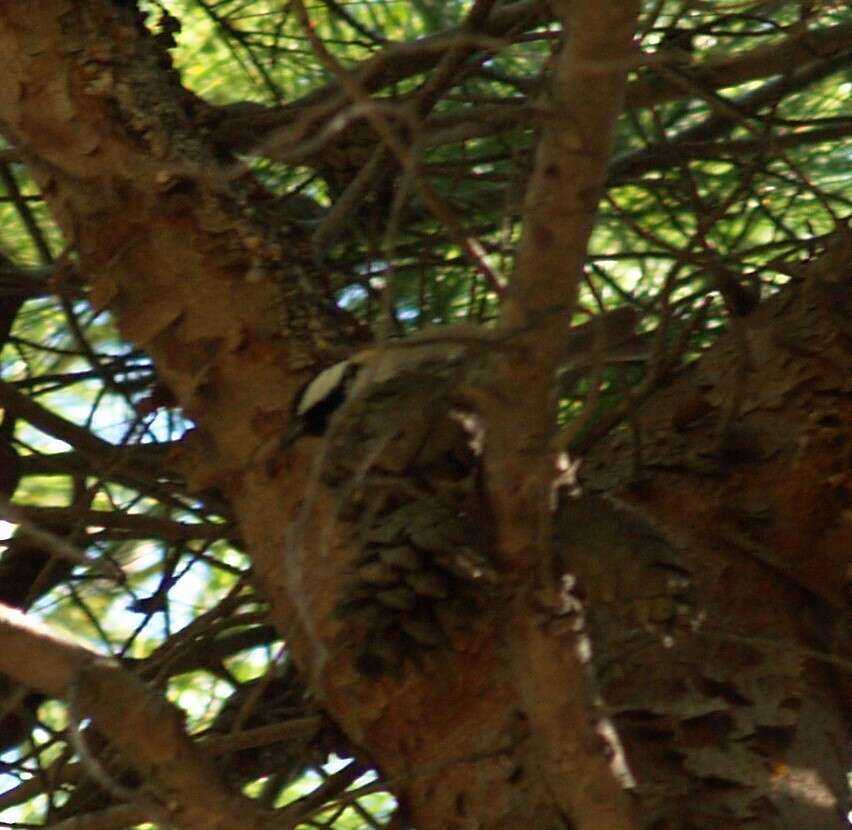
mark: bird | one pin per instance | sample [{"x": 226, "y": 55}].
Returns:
[{"x": 400, "y": 465}]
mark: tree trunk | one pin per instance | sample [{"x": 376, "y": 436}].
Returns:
[{"x": 741, "y": 718}]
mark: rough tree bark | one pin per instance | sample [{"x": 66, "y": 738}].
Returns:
[
  {"x": 745, "y": 461},
  {"x": 713, "y": 606}
]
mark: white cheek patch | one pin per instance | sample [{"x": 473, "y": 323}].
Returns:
[{"x": 323, "y": 386}]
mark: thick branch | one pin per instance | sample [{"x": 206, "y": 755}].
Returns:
[
  {"x": 776, "y": 59},
  {"x": 251, "y": 128},
  {"x": 579, "y": 113}
]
